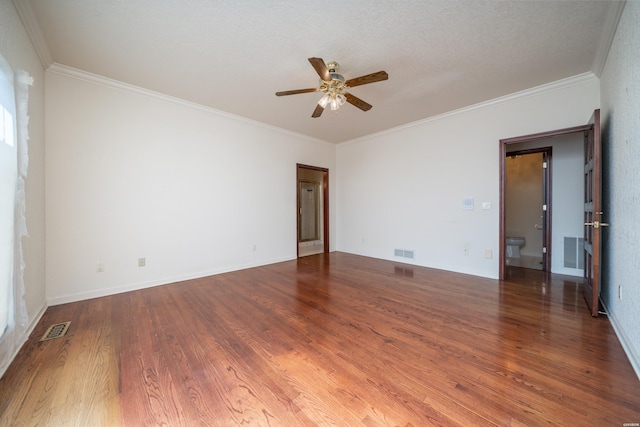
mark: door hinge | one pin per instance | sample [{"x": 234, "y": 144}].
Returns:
[
  {"x": 544, "y": 165},
  {"x": 544, "y": 250},
  {"x": 544, "y": 208}
]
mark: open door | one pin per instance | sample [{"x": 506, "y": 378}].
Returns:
[{"x": 592, "y": 212}]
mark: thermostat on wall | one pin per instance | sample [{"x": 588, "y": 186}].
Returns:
[{"x": 467, "y": 203}]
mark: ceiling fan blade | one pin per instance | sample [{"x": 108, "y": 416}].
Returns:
[
  {"x": 369, "y": 78},
  {"x": 318, "y": 111},
  {"x": 294, "y": 92},
  {"x": 354, "y": 100},
  {"x": 321, "y": 68}
]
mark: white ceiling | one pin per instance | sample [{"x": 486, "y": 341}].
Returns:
[{"x": 234, "y": 55}]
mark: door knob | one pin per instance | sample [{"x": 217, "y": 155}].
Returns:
[{"x": 596, "y": 224}]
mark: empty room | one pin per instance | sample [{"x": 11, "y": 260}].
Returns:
[{"x": 376, "y": 213}]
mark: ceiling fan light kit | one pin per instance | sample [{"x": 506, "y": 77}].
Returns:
[
  {"x": 334, "y": 86},
  {"x": 333, "y": 89},
  {"x": 334, "y": 100}
]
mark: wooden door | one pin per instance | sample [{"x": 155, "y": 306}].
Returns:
[
  {"x": 592, "y": 213},
  {"x": 546, "y": 210}
]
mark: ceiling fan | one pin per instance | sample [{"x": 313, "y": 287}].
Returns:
[{"x": 334, "y": 87}]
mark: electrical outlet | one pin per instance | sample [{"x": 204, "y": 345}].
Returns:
[
  {"x": 142, "y": 262},
  {"x": 488, "y": 253},
  {"x": 254, "y": 247},
  {"x": 99, "y": 267},
  {"x": 619, "y": 292},
  {"x": 466, "y": 251}
]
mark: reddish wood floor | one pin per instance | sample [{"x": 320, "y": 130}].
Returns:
[{"x": 332, "y": 339}]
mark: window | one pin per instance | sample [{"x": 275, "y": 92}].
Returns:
[
  {"x": 7, "y": 134},
  {"x": 14, "y": 163},
  {"x": 8, "y": 187}
]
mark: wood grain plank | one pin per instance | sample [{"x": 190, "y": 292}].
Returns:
[{"x": 328, "y": 339}]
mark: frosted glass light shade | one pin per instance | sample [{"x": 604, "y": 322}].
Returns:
[{"x": 324, "y": 101}]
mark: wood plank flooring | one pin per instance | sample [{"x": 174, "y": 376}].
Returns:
[{"x": 332, "y": 339}]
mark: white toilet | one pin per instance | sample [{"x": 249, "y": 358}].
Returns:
[{"x": 513, "y": 246}]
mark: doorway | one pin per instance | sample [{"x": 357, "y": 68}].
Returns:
[
  {"x": 312, "y": 195},
  {"x": 585, "y": 248},
  {"x": 567, "y": 221},
  {"x": 528, "y": 207}
]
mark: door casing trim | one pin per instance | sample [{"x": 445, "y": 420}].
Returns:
[
  {"x": 502, "y": 267},
  {"x": 325, "y": 205}
]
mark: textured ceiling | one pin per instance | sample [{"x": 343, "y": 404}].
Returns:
[{"x": 234, "y": 55}]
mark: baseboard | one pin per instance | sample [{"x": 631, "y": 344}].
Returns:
[
  {"x": 23, "y": 339},
  {"x": 97, "y": 293},
  {"x": 624, "y": 340}
]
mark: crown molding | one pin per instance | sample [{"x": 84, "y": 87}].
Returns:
[
  {"x": 116, "y": 84},
  {"x": 614, "y": 12},
  {"x": 548, "y": 87},
  {"x": 86, "y": 76},
  {"x": 28, "y": 18}
]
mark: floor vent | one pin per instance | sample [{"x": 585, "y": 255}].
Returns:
[
  {"x": 403, "y": 253},
  {"x": 56, "y": 331}
]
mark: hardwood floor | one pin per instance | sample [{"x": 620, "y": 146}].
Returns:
[{"x": 332, "y": 339}]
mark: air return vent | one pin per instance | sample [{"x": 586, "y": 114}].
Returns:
[
  {"x": 56, "y": 331},
  {"x": 573, "y": 252},
  {"x": 404, "y": 253}
]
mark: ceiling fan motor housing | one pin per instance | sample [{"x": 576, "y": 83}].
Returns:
[
  {"x": 337, "y": 77},
  {"x": 333, "y": 71},
  {"x": 336, "y": 85}
]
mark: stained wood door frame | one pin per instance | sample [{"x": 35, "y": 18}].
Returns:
[
  {"x": 502, "y": 270},
  {"x": 325, "y": 205},
  {"x": 547, "y": 185}
]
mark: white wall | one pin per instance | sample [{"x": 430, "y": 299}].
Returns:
[
  {"x": 567, "y": 198},
  {"x": 17, "y": 49},
  {"x": 404, "y": 188},
  {"x": 621, "y": 181},
  {"x": 134, "y": 174}
]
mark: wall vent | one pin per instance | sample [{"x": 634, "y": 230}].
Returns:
[
  {"x": 404, "y": 253},
  {"x": 574, "y": 252}
]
